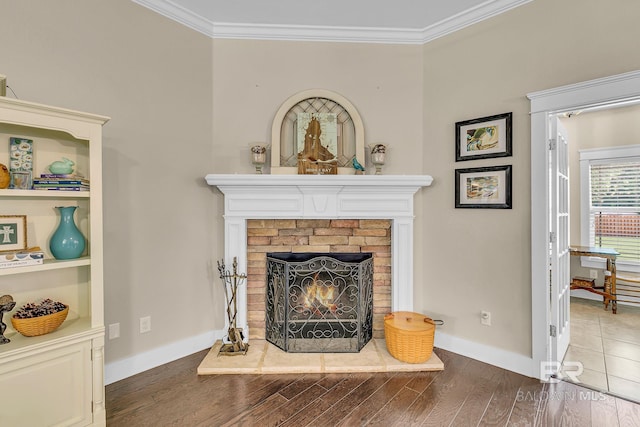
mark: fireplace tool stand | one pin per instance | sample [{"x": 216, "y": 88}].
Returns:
[{"x": 230, "y": 282}]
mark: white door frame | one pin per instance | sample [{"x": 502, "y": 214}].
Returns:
[{"x": 544, "y": 104}]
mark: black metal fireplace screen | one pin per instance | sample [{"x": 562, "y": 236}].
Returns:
[{"x": 319, "y": 303}]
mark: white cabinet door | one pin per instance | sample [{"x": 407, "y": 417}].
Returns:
[{"x": 51, "y": 388}]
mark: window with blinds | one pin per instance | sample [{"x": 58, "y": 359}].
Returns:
[{"x": 615, "y": 207}]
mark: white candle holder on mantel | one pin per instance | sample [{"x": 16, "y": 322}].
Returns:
[
  {"x": 378, "y": 154},
  {"x": 259, "y": 156}
]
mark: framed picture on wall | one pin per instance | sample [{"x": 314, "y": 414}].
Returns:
[
  {"x": 488, "y": 187},
  {"x": 484, "y": 138}
]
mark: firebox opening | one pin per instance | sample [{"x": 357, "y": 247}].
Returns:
[{"x": 319, "y": 302}]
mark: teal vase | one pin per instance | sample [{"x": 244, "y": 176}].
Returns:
[{"x": 67, "y": 241}]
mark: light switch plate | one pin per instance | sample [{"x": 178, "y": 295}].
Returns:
[
  {"x": 114, "y": 331},
  {"x": 145, "y": 324}
]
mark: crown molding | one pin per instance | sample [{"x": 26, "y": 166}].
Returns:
[
  {"x": 179, "y": 14},
  {"x": 471, "y": 16},
  {"x": 317, "y": 33},
  {"x": 221, "y": 30}
]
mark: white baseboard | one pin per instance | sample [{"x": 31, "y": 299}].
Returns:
[
  {"x": 493, "y": 356},
  {"x": 121, "y": 369},
  {"x": 124, "y": 368}
]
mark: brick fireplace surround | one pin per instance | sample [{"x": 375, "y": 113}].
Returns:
[
  {"x": 317, "y": 235},
  {"x": 320, "y": 213}
]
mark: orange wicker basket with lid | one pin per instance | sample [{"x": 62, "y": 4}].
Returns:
[{"x": 409, "y": 336}]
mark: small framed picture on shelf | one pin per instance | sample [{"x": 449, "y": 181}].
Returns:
[
  {"x": 488, "y": 187},
  {"x": 13, "y": 233},
  {"x": 21, "y": 180},
  {"x": 21, "y": 152},
  {"x": 484, "y": 138}
]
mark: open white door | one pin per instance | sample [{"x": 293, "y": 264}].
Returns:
[
  {"x": 559, "y": 247},
  {"x": 544, "y": 104}
]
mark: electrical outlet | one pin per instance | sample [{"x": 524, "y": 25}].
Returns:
[
  {"x": 593, "y": 274},
  {"x": 145, "y": 324},
  {"x": 485, "y": 318},
  {"x": 114, "y": 331}
]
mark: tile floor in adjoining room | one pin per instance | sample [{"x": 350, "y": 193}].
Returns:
[{"x": 608, "y": 345}]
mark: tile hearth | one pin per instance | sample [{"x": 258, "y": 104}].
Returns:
[{"x": 265, "y": 358}]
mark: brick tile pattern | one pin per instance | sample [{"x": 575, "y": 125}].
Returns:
[{"x": 317, "y": 235}]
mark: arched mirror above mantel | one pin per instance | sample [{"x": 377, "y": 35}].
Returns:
[{"x": 342, "y": 130}]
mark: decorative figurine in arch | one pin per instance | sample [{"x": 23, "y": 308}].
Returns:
[
  {"x": 6, "y": 304},
  {"x": 315, "y": 158}
]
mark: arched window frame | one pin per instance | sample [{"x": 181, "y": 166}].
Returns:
[{"x": 298, "y": 98}]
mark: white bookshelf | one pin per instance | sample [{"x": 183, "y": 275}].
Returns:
[{"x": 57, "y": 378}]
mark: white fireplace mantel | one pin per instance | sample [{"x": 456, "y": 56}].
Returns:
[{"x": 322, "y": 196}]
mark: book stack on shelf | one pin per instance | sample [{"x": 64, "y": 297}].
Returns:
[
  {"x": 31, "y": 256},
  {"x": 63, "y": 182}
]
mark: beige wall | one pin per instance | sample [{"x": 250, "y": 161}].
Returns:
[
  {"x": 173, "y": 123},
  {"x": 480, "y": 259},
  {"x": 251, "y": 79},
  {"x": 152, "y": 76}
]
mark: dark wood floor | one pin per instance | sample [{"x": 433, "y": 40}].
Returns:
[{"x": 466, "y": 393}]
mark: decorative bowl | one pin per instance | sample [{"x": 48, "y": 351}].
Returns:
[{"x": 41, "y": 325}]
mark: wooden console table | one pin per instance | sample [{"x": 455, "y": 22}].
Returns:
[{"x": 608, "y": 291}]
